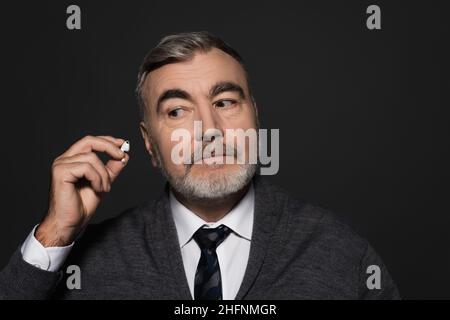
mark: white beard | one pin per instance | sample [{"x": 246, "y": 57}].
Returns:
[{"x": 214, "y": 186}]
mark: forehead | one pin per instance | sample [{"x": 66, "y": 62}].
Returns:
[{"x": 196, "y": 75}]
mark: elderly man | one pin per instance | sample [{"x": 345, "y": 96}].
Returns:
[{"x": 218, "y": 231}]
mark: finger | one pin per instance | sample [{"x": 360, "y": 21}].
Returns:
[
  {"x": 116, "y": 141},
  {"x": 114, "y": 167},
  {"x": 91, "y": 143},
  {"x": 72, "y": 172},
  {"x": 95, "y": 161}
]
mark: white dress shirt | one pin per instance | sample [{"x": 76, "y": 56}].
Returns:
[
  {"x": 48, "y": 259},
  {"x": 232, "y": 253}
]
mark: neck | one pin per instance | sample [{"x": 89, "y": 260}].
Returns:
[{"x": 212, "y": 210}]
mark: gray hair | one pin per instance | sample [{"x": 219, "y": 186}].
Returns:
[{"x": 177, "y": 48}]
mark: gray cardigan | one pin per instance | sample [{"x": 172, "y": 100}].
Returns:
[{"x": 298, "y": 251}]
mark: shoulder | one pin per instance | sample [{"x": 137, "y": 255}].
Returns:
[
  {"x": 128, "y": 222},
  {"x": 311, "y": 227},
  {"x": 329, "y": 233},
  {"x": 118, "y": 235}
]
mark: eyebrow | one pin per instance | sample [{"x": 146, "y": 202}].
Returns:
[
  {"x": 172, "y": 93},
  {"x": 225, "y": 86},
  {"x": 218, "y": 88}
]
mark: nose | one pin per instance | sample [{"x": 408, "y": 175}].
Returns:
[{"x": 210, "y": 120}]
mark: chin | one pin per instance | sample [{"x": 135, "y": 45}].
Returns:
[{"x": 205, "y": 182}]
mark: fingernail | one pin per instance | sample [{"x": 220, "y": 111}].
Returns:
[{"x": 124, "y": 161}]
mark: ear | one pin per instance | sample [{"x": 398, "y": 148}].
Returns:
[
  {"x": 148, "y": 142},
  {"x": 256, "y": 109},
  {"x": 255, "y": 106}
]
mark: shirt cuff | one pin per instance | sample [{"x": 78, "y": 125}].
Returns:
[{"x": 49, "y": 259}]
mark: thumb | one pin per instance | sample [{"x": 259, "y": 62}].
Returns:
[{"x": 115, "y": 167}]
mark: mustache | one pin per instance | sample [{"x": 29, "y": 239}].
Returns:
[{"x": 198, "y": 154}]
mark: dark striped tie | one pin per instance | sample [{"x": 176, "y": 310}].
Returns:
[{"x": 208, "y": 282}]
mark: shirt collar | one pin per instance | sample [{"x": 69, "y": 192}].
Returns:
[{"x": 239, "y": 219}]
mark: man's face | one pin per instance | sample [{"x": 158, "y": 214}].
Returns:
[{"x": 211, "y": 88}]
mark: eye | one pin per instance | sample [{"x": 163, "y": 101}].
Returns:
[
  {"x": 176, "y": 113},
  {"x": 225, "y": 103}
]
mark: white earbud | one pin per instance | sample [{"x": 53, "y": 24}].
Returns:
[{"x": 125, "y": 146}]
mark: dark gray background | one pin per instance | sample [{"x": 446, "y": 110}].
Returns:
[{"x": 363, "y": 115}]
